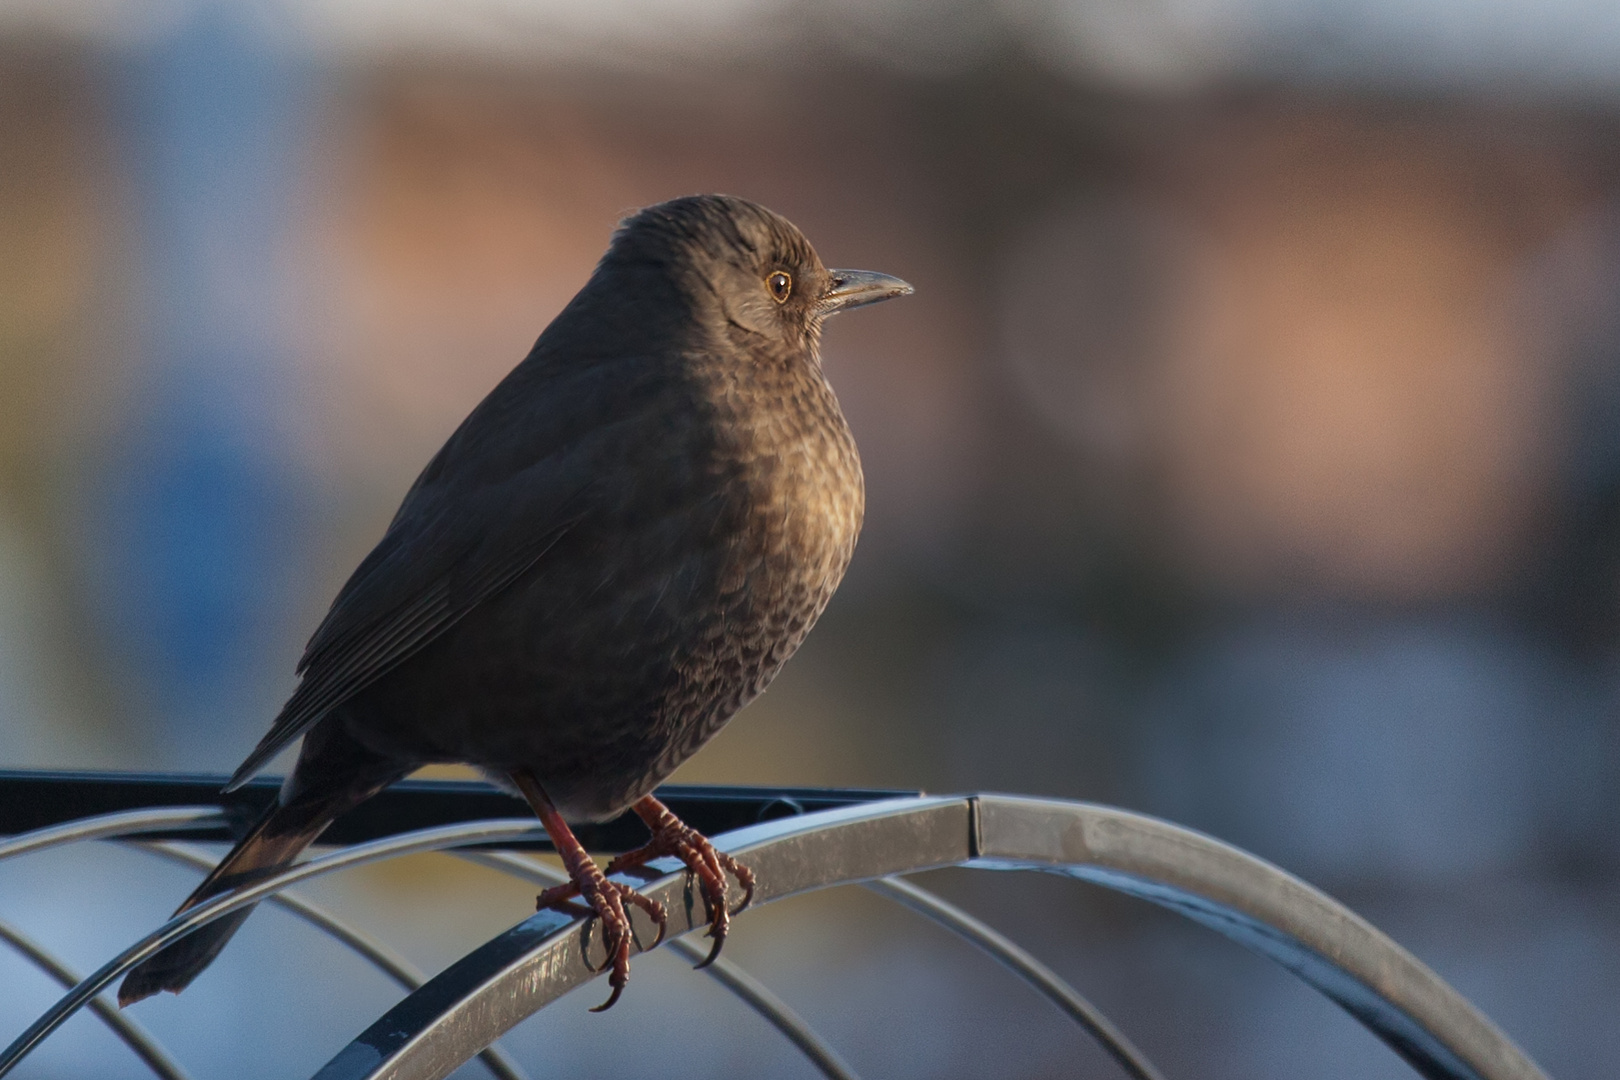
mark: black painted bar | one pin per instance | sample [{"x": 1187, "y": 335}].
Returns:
[{"x": 32, "y": 799}]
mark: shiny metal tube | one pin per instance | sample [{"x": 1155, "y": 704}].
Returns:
[
  {"x": 754, "y": 993},
  {"x": 132, "y": 1034},
  {"x": 500, "y": 1064},
  {"x": 104, "y": 826},
  {"x": 1042, "y": 978},
  {"x": 177, "y": 927}
]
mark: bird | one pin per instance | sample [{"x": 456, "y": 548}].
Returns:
[{"x": 615, "y": 551}]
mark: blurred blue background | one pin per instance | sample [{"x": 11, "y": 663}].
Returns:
[{"x": 1249, "y": 455}]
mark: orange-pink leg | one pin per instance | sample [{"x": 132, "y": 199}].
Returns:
[
  {"x": 606, "y": 898},
  {"x": 672, "y": 836}
]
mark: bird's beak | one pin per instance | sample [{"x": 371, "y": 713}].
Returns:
[{"x": 853, "y": 288}]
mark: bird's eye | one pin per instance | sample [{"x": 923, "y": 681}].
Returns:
[{"x": 781, "y": 286}]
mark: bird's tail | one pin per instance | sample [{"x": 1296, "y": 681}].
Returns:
[
  {"x": 333, "y": 775},
  {"x": 269, "y": 847}
]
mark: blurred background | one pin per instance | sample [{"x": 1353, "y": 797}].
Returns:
[{"x": 1249, "y": 455}]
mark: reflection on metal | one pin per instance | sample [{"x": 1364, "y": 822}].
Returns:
[
  {"x": 463, "y": 1009},
  {"x": 487, "y": 832},
  {"x": 133, "y": 1035},
  {"x": 1250, "y": 901},
  {"x": 123, "y": 823},
  {"x": 391, "y": 963},
  {"x": 1031, "y": 970},
  {"x": 753, "y": 992}
]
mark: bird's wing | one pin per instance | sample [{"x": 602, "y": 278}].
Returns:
[
  {"x": 416, "y": 585},
  {"x": 508, "y": 485}
]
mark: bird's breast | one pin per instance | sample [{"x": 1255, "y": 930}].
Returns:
[{"x": 806, "y": 492}]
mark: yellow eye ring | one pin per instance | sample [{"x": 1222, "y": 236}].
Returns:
[{"x": 781, "y": 286}]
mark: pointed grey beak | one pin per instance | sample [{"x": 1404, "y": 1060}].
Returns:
[{"x": 854, "y": 288}]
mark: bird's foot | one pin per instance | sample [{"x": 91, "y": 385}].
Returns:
[
  {"x": 586, "y": 880},
  {"x": 672, "y": 836},
  {"x": 606, "y": 900}
]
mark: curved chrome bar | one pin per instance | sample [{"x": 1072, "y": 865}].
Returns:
[
  {"x": 133, "y": 1035},
  {"x": 474, "y": 832},
  {"x": 760, "y": 998},
  {"x": 1265, "y": 909},
  {"x": 396, "y": 967},
  {"x": 103, "y": 826},
  {"x": 1026, "y": 967},
  {"x": 510, "y": 977},
  {"x": 430, "y": 1033},
  {"x": 754, "y": 993}
]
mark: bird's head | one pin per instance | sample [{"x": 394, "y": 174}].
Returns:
[{"x": 749, "y": 268}]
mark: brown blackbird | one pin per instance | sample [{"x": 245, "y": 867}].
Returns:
[{"x": 616, "y": 551}]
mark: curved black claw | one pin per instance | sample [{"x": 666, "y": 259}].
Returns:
[
  {"x": 607, "y": 900},
  {"x": 703, "y": 861},
  {"x": 714, "y": 953},
  {"x": 619, "y": 957}
]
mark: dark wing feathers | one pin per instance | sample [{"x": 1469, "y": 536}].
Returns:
[
  {"x": 504, "y": 489},
  {"x": 351, "y": 650}
]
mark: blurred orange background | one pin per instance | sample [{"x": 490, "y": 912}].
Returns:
[{"x": 1249, "y": 455}]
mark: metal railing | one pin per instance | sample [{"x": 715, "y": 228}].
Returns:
[{"x": 796, "y": 840}]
